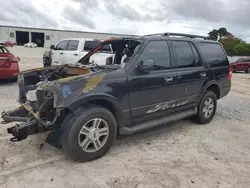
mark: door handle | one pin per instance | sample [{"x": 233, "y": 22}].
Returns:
[
  {"x": 203, "y": 74},
  {"x": 61, "y": 53},
  {"x": 169, "y": 79},
  {"x": 75, "y": 54}
]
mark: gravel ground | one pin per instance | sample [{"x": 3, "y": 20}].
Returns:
[{"x": 181, "y": 154}]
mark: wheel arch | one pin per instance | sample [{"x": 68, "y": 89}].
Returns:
[
  {"x": 212, "y": 86},
  {"x": 103, "y": 100}
]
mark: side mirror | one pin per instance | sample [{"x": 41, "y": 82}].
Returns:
[
  {"x": 52, "y": 47},
  {"x": 146, "y": 65}
]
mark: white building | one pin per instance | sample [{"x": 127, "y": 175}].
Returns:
[{"x": 47, "y": 37}]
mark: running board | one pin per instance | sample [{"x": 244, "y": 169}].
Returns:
[{"x": 157, "y": 122}]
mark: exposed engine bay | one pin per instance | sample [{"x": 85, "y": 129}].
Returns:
[{"x": 46, "y": 93}]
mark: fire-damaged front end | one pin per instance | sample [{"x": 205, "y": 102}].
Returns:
[{"x": 45, "y": 94}]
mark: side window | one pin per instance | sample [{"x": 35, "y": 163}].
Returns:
[
  {"x": 157, "y": 51},
  {"x": 196, "y": 56},
  {"x": 184, "y": 54},
  {"x": 73, "y": 45},
  {"x": 89, "y": 45},
  {"x": 62, "y": 45},
  {"x": 213, "y": 54}
]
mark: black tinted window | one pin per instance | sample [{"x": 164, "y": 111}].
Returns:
[
  {"x": 243, "y": 60},
  {"x": 213, "y": 54},
  {"x": 106, "y": 48},
  {"x": 158, "y": 52},
  {"x": 184, "y": 54},
  {"x": 73, "y": 45},
  {"x": 62, "y": 45},
  {"x": 196, "y": 56},
  {"x": 89, "y": 45}
]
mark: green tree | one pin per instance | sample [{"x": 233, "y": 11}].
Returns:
[
  {"x": 213, "y": 35},
  {"x": 229, "y": 42},
  {"x": 241, "y": 49},
  {"x": 233, "y": 45}
]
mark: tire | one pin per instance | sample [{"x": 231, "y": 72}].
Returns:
[
  {"x": 248, "y": 70},
  {"x": 46, "y": 63},
  {"x": 234, "y": 69},
  {"x": 75, "y": 122},
  {"x": 201, "y": 115}
]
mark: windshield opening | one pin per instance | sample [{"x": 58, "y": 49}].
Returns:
[{"x": 123, "y": 51}]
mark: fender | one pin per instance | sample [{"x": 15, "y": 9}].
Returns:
[
  {"x": 207, "y": 86},
  {"x": 119, "y": 111}
]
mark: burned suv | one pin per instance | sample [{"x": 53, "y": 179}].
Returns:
[{"x": 152, "y": 80}]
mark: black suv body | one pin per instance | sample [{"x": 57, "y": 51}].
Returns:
[{"x": 163, "y": 78}]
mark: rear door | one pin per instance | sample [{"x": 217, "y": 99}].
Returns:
[
  {"x": 192, "y": 74},
  {"x": 57, "y": 54},
  {"x": 71, "y": 54}
]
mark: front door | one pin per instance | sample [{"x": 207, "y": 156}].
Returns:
[
  {"x": 71, "y": 55},
  {"x": 192, "y": 75},
  {"x": 57, "y": 54},
  {"x": 152, "y": 93}
]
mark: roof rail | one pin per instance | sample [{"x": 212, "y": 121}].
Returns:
[
  {"x": 155, "y": 34},
  {"x": 177, "y": 34},
  {"x": 185, "y": 35}
]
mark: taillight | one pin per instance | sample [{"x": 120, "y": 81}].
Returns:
[
  {"x": 230, "y": 72},
  {"x": 13, "y": 58}
]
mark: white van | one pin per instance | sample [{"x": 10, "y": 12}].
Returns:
[{"x": 70, "y": 50}]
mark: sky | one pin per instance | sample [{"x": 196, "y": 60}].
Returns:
[{"x": 136, "y": 17}]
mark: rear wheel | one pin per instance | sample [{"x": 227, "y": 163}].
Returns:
[
  {"x": 89, "y": 133},
  {"x": 234, "y": 69},
  {"x": 206, "y": 108},
  {"x": 248, "y": 70}
]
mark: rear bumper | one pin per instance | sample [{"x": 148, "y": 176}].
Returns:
[
  {"x": 12, "y": 72},
  {"x": 225, "y": 91}
]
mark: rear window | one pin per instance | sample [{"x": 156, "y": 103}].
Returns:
[
  {"x": 243, "y": 60},
  {"x": 90, "y": 45},
  {"x": 3, "y": 50},
  {"x": 73, "y": 45},
  {"x": 213, "y": 54}
]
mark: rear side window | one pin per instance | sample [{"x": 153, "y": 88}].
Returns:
[
  {"x": 106, "y": 48},
  {"x": 73, "y": 45},
  {"x": 184, "y": 54},
  {"x": 158, "y": 52},
  {"x": 90, "y": 45},
  {"x": 62, "y": 45},
  {"x": 213, "y": 54}
]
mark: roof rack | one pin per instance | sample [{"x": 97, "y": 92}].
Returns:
[
  {"x": 185, "y": 35},
  {"x": 153, "y": 34},
  {"x": 178, "y": 34}
]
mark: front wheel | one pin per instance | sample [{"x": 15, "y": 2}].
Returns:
[
  {"x": 207, "y": 108},
  {"x": 89, "y": 133}
]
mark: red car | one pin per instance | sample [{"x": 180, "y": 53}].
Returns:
[
  {"x": 242, "y": 64},
  {"x": 7, "y": 43},
  {"x": 8, "y": 64}
]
